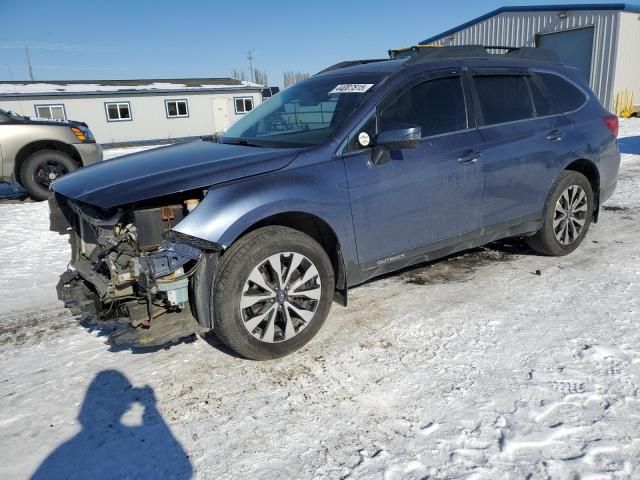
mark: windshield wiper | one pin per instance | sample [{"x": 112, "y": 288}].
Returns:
[{"x": 244, "y": 143}]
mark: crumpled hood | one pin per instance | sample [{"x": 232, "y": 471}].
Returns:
[{"x": 162, "y": 171}]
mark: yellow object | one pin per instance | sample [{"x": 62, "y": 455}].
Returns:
[
  {"x": 624, "y": 103},
  {"x": 78, "y": 133}
]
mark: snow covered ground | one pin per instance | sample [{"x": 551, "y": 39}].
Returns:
[{"x": 473, "y": 367}]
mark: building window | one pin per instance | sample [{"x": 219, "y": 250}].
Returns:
[
  {"x": 118, "y": 111},
  {"x": 176, "y": 108},
  {"x": 244, "y": 104},
  {"x": 55, "y": 112}
]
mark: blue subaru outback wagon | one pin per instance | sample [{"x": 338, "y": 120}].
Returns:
[{"x": 363, "y": 169}]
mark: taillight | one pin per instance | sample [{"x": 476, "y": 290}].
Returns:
[{"x": 611, "y": 121}]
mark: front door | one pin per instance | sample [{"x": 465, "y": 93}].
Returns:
[
  {"x": 220, "y": 114},
  {"x": 421, "y": 195}
]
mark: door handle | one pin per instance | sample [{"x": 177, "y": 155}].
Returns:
[
  {"x": 554, "y": 136},
  {"x": 469, "y": 156}
]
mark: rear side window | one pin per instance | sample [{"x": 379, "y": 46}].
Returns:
[
  {"x": 436, "y": 106},
  {"x": 543, "y": 105},
  {"x": 503, "y": 98},
  {"x": 564, "y": 96}
]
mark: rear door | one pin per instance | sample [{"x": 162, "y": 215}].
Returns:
[
  {"x": 424, "y": 194},
  {"x": 523, "y": 150}
]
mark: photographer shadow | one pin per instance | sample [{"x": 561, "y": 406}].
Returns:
[{"x": 107, "y": 448}]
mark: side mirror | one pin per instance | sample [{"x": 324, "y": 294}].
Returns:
[{"x": 399, "y": 138}]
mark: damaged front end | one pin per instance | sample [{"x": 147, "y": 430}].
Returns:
[{"x": 129, "y": 263}]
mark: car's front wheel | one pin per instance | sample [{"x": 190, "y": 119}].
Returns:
[
  {"x": 568, "y": 214},
  {"x": 273, "y": 291},
  {"x": 41, "y": 168}
]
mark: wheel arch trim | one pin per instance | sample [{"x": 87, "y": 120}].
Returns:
[{"x": 590, "y": 170}]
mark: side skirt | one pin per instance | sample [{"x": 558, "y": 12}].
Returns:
[{"x": 443, "y": 248}]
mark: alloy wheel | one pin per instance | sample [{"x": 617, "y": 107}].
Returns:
[
  {"x": 280, "y": 297},
  {"x": 570, "y": 214}
]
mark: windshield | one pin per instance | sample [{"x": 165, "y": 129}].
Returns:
[{"x": 304, "y": 114}]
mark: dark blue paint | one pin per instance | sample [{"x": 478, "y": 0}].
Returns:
[
  {"x": 629, "y": 144},
  {"x": 176, "y": 168},
  {"x": 420, "y": 196},
  {"x": 450, "y": 192},
  {"x": 12, "y": 191},
  {"x": 517, "y": 180}
]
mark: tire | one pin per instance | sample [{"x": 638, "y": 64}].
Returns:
[
  {"x": 561, "y": 232},
  {"x": 261, "y": 330},
  {"x": 43, "y": 167}
]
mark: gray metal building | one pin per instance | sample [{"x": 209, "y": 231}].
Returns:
[{"x": 603, "y": 40}]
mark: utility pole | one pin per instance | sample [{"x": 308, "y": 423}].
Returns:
[
  {"x": 250, "y": 58},
  {"x": 26, "y": 51}
]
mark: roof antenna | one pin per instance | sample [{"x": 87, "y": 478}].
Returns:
[{"x": 15, "y": 89}]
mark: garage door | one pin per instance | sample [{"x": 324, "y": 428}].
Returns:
[{"x": 574, "y": 47}]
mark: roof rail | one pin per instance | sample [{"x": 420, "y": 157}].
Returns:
[
  {"x": 406, "y": 52},
  {"x": 351, "y": 63},
  {"x": 447, "y": 52},
  {"x": 462, "y": 51},
  {"x": 500, "y": 47}
]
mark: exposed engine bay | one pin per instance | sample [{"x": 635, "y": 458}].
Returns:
[{"x": 128, "y": 263}]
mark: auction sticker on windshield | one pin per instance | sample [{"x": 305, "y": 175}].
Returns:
[{"x": 351, "y": 88}]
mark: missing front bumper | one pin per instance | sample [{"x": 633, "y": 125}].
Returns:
[{"x": 138, "y": 325}]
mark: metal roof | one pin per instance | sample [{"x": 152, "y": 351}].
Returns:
[{"x": 627, "y": 7}]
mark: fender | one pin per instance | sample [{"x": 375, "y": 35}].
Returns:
[{"x": 318, "y": 189}]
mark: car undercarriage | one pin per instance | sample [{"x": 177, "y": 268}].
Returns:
[{"x": 128, "y": 263}]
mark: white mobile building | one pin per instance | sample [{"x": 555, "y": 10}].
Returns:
[
  {"x": 120, "y": 111},
  {"x": 603, "y": 40}
]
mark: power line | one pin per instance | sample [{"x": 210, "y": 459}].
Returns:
[{"x": 44, "y": 46}]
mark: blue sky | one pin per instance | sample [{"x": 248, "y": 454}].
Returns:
[{"x": 117, "y": 39}]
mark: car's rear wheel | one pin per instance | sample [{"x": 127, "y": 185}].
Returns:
[
  {"x": 568, "y": 214},
  {"x": 41, "y": 168},
  {"x": 273, "y": 292}
]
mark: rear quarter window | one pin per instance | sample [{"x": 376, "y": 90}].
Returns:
[
  {"x": 503, "y": 98},
  {"x": 564, "y": 96}
]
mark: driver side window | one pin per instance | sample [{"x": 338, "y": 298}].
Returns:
[{"x": 436, "y": 106}]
